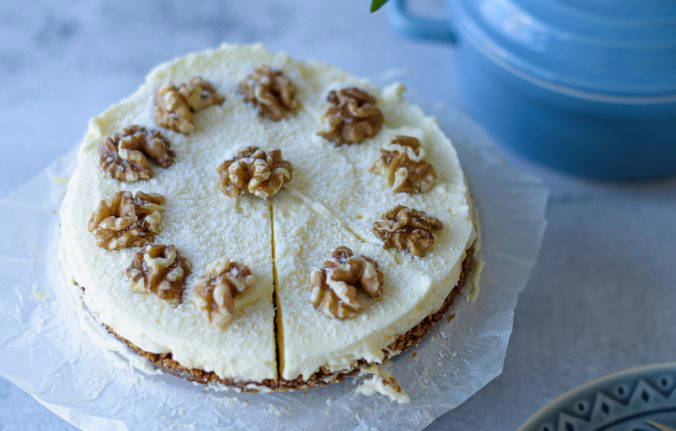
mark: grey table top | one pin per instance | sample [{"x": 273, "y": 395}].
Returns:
[{"x": 600, "y": 299}]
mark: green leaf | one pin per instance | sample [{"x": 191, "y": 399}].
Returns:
[{"x": 377, "y": 4}]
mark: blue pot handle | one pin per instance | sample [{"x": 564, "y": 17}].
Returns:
[{"x": 415, "y": 27}]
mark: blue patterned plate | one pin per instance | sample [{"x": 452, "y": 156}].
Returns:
[{"x": 638, "y": 399}]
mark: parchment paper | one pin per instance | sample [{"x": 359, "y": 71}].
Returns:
[{"x": 46, "y": 351}]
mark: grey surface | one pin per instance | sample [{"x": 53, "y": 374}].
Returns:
[{"x": 601, "y": 298}]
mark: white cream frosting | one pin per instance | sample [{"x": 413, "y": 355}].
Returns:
[{"x": 332, "y": 200}]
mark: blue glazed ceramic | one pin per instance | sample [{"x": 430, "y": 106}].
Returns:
[
  {"x": 587, "y": 87},
  {"x": 639, "y": 399}
]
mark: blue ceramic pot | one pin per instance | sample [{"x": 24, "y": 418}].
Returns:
[{"x": 587, "y": 87}]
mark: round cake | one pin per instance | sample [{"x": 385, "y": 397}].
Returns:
[{"x": 251, "y": 220}]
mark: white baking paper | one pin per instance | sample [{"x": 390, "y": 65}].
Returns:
[{"x": 46, "y": 351}]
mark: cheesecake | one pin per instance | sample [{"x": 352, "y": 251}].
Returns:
[{"x": 251, "y": 220}]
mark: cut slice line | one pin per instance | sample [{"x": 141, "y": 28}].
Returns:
[{"x": 279, "y": 332}]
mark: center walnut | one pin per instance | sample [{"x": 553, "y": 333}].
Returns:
[{"x": 253, "y": 170}]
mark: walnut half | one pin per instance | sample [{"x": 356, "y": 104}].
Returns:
[
  {"x": 159, "y": 269},
  {"x": 407, "y": 229},
  {"x": 127, "y": 220},
  {"x": 260, "y": 173},
  {"x": 272, "y": 93},
  {"x": 124, "y": 156},
  {"x": 174, "y": 106},
  {"x": 335, "y": 286},
  {"x": 215, "y": 291},
  {"x": 199, "y": 94},
  {"x": 352, "y": 117},
  {"x": 401, "y": 162}
]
